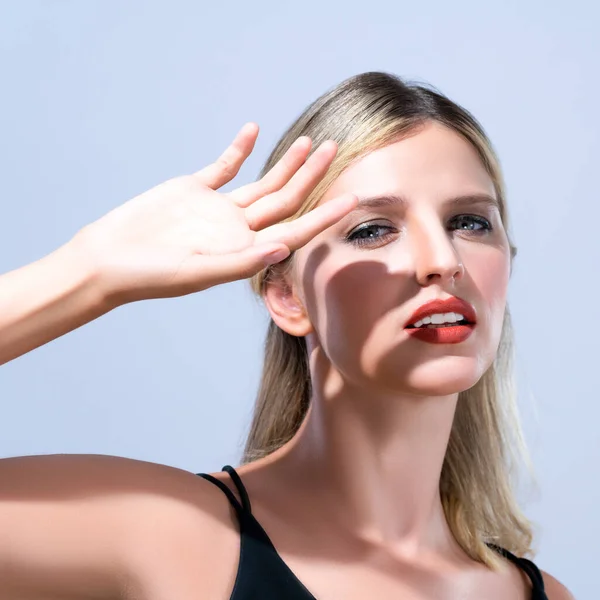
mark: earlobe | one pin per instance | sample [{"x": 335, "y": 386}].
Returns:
[{"x": 286, "y": 308}]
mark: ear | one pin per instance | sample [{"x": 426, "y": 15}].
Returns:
[{"x": 285, "y": 305}]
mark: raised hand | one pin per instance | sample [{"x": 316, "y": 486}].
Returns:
[{"x": 183, "y": 236}]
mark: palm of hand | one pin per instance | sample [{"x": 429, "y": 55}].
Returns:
[{"x": 183, "y": 236}]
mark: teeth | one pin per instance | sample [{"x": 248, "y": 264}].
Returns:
[{"x": 439, "y": 319}]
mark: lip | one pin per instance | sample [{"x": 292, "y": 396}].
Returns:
[{"x": 452, "y": 304}]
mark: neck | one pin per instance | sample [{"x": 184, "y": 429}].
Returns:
[{"x": 374, "y": 461}]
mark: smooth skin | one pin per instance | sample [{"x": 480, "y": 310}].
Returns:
[{"x": 84, "y": 526}]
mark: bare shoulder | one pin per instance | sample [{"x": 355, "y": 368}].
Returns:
[
  {"x": 77, "y": 522},
  {"x": 555, "y": 590},
  {"x": 105, "y": 479}
]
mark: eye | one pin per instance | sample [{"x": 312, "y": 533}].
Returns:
[
  {"x": 369, "y": 234},
  {"x": 484, "y": 224}
]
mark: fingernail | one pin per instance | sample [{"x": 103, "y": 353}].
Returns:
[{"x": 276, "y": 256}]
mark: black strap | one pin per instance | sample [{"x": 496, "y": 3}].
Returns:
[
  {"x": 230, "y": 495},
  {"x": 240, "y": 487},
  {"x": 533, "y": 571},
  {"x": 245, "y": 506},
  {"x": 524, "y": 563}
]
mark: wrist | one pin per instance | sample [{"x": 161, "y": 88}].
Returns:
[{"x": 85, "y": 278}]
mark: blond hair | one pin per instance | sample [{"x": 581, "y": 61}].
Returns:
[{"x": 361, "y": 114}]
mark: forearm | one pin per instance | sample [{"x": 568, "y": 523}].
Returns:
[{"x": 46, "y": 299}]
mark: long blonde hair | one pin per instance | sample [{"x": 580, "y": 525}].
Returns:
[{"x": 361, "y": 114}]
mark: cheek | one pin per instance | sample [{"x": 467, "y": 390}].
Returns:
[
  {"x": 356, "y": 311},
  {"x": 346, "y": 304},
  {"x": 491, "y": 278}
]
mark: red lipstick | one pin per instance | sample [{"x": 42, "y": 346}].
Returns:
[{"x": 449, "y": 334}]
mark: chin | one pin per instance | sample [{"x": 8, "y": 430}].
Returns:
[{"x": 436, "y": 378}]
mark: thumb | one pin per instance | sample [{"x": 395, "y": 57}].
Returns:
[{"x": 241, "y": 265}]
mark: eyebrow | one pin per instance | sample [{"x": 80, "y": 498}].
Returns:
[{"x": 455, "y": 201}]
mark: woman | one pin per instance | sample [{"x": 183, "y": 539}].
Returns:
[{"x": 378, "y": 462}]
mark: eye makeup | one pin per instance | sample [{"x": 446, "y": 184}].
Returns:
[{"x": 364, "y": 235}]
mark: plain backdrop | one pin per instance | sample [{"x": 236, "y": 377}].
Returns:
[{"x": 103, "y": 100}]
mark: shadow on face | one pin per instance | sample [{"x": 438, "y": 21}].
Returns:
[{"x": 427, "y": 226}]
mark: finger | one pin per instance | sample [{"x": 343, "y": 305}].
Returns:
[
  {"x": 277, "y": 206},
  {"x": 295, "y": 234},
  {"x": 227, "y": 166},
  {"x": 277, "y": 177},
  {"x": 223, "y": 268}
]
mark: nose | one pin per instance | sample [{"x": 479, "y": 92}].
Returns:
[{"x": 435, "y": 256}]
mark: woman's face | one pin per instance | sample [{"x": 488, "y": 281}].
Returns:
[{"x": 361, "y": 279}]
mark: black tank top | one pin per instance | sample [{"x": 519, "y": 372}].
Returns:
[{"x": 263, "y": 574}]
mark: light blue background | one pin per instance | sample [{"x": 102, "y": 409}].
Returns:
[{"x": 102, "y": 100}]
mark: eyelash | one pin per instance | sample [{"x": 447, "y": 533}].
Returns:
[{"x": 353, "y": 239}]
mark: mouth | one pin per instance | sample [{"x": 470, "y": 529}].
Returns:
[
  {"x": 443, "y": 314},
  {"x": 443, "y": 333},
  {"x": 461, "y": 322},
  {"x": 448, "y": 321}
]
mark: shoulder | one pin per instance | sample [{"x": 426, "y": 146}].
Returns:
[
  {"x": 116, "y": 522},
  {"x": 99, "y": 477},
  {"x": 555, "y": 590},
  {"x": 117, "y": 490},
  {"x": 181, "y": 518}
]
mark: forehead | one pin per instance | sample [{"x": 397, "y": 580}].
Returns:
[{"x": 433, "y": 164}]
